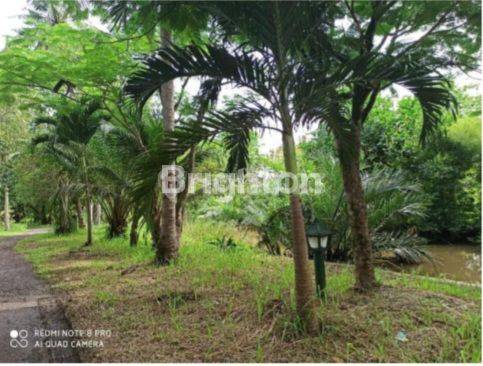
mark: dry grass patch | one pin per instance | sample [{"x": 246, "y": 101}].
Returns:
[{"x": 237, "y": 305}]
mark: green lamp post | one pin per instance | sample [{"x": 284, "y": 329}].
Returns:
[{"x": 318, "y": 238}]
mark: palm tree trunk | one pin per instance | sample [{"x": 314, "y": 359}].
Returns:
[
  {"x": 88, "y": 200},
  {"x": 89, "y": 220},
  {"x": 183, "y": 196},
  {"x": 6, "y": 209},
  {"x": 97, "y": 213},
  {"x": 304, "y": 283},
  {"x": 64, "y": 224},
  {"x": 304, "y": 286},
  {"x": 43, "y": 217},
  {"x": 155, "y": 224},
  {"x": 80, "y": 218},
  {"x": 167, "y": 248},
  {"x": 168, "y": 244},
  {"x": 118, "y": 218},
  {"x": 133, "y": 235},
  {"x": 362, "y": 246}
]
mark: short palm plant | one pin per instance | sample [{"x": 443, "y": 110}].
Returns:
[
  {"x": 135, "y": 140},
  {"x": 61, "y": 204},
  {"x": 66, "y": 136}
]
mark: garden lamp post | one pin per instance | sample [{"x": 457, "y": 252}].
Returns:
[{"x": 318, "y": 237}]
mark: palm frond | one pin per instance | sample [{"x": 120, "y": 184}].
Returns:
[
  {"x": 42, "y": 139},
  {"x": 233, "y": 124},
  {"x": 110, "y": 174},
  {"x": 406, "y": 247},
  {"x": 173, "y": 62},
  {"x": 431, "y": 89},
  {"x": 208, "y": 94},
  {"x": 44, "y": 121},
  {"x": 266, "y": 23}
]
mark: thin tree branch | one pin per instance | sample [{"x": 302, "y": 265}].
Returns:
[
  {"x": 367, "y": 109},
  {"x": 354, "y": 16},
  {"x": 128, "y": 38},
  {"x": 425, "y": 35},
  {"x": 38, "y": 86}
]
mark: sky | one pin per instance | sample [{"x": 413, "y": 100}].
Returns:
[{"x": 11, "y": 20}]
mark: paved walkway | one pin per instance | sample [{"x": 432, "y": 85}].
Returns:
[{"x": 27, "y": 307}]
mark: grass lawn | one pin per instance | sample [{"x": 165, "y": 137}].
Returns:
[
  {"x": 237, "y": 304},
  {"x": 15, "y": 229}
]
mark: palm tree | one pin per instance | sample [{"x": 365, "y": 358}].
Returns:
[
  {"x": 147, "y": 18},
  {"x": 364, "y": 69},
  {"x": 61, "y": 202},
  {"x": 266, "y": 69},
  {"x": 79, "y": 212},
  {"x": 67, "y": 139},
  {"x": 116, "y": 207},
  {"x": 129, "y": 138},
  {"x": 298, "y": 73},
  {"x": 169, "y": 241},
  {"x": 113, "y": 193},
  {"x": 163, "y": 214},
  {"x": 54, "y": 12}
]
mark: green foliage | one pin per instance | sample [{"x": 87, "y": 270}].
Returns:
[
  {"x": 394, "y": 205},
  {"x": 55, "y": 11},
  {"x": 34, "y": 185},
  {"x": 224, "y": 243},
  {"x": 467, "y": 132},
  {"x": 13, "y": 139},
  {"x": 81, "y": 58},
  {"x": 447, "y": 168},
  {"x": 305, "y": 63},
  {"x": 134, "y": 18}
]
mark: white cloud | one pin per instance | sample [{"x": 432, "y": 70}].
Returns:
[{"x": 11, "y": 12}]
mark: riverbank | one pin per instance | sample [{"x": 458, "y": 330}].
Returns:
[
  {"x": 458, "y": 262},
  {"x": 237, "y": 304}
]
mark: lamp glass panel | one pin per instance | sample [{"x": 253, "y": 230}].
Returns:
[
  {"x": 313, "y": 242},
  {"x": 323, "y": 242}
]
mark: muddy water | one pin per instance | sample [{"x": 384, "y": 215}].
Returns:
[{"x": 461, "y": 262}]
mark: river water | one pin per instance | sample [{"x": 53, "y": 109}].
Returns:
[{"x": 461, "y": 262}]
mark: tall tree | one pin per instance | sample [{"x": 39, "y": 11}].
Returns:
[
  {"x": 13, "y": 133},
  {"x": 54, "y": 12},
  {"x": 381, "y": 44},
  {"x": 5, "y": 168},
  {"x": 168, "y": 246},
  {"x": 265, "y": 67},
  {"x": 146, "y": 18}
]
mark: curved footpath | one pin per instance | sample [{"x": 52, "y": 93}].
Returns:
[{"x": 28, "y": 307}]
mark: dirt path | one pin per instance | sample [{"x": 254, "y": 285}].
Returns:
[{"x": 28, "y": 307}]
